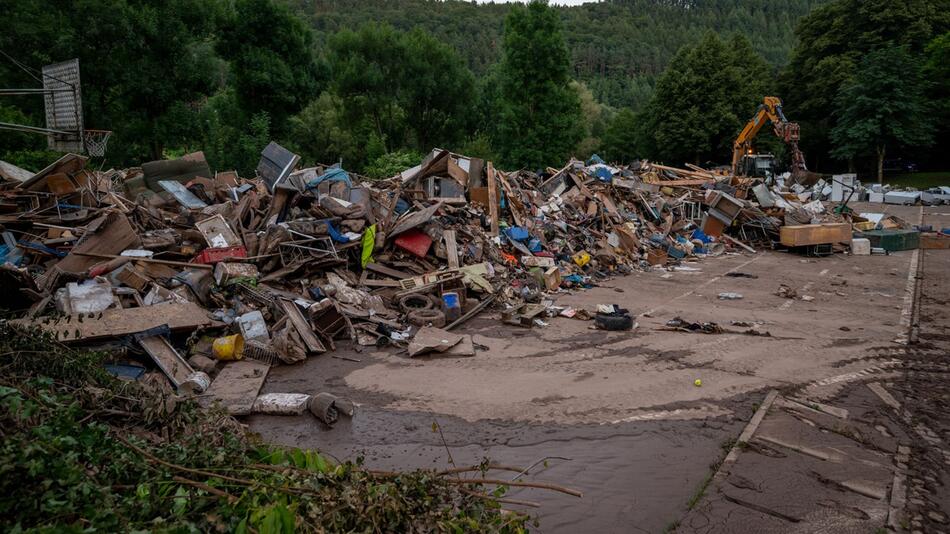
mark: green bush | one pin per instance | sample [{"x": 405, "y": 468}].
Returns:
[{"x": 82, "y": 451}]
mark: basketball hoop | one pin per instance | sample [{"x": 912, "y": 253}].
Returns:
[{"x": 95, "y": 142}]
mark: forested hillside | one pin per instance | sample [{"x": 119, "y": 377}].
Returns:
[
  {"x": 617, "y": 48},
  {"x": 375, "y": 84}
]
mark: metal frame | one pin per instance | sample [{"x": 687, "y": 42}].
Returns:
[
  {"x": 309, "y": 247},
  {"x": 62, "y": 97}
]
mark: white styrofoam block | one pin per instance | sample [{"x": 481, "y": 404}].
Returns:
[{"x": 861, "y": 246}]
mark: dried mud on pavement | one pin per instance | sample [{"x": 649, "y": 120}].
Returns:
[{"x": 629, "y": 428}]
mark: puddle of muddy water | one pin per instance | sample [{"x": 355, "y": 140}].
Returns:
[{"x": 636, "y": 477}]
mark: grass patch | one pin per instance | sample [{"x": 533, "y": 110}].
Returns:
[
  {"x": 697, "y": 496},
  {"x": 701, "y": 490},
  {"x": 82, "y": 451},
  {"x": 918, "y": 180}
]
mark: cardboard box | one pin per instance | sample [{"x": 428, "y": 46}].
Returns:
[
  {"x": 657, "y": 257},
  {"x": 815, "y": 234},
  {"x": 933, "y": 241},
  {"x": 552, "y": 279}
]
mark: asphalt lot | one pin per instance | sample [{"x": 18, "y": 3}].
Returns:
[{"x": 639, "y": 437}]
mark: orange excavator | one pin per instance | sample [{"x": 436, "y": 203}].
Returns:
[{"x": 745, "y": 162}]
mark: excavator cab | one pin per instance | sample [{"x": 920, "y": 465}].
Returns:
[{"x": 758, "y": 166}]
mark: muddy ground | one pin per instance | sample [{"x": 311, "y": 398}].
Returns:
[{"x": 637, "y": 435}]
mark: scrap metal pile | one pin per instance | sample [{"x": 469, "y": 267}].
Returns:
[{"x": 200, "y": 280}]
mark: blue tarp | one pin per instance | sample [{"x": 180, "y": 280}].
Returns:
[
  {"x": 517, "y": 233},
  {"x": 334, "y": 174}
]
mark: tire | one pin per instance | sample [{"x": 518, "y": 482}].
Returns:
[
  {"x": 415, "y": 301},
  {"x": 613, "y": 322},
  {"x": 424, "y": 317}
]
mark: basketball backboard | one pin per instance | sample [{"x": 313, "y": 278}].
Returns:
[{"x": 61, "y": 90}]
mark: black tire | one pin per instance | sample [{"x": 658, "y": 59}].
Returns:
[
  {"x": 424, "y": 317},
  {"x": 613, "y": 322},
  {"x": 415, "y": 301}
]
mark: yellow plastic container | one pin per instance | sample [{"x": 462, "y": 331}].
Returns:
[
  {"x": 582, "y": 258},
  {"x": 228, "y": 347}
]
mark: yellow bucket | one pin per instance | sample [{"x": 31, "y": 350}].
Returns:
[
  {"x": 228, "y": 347},
  {"x": 582, "y": 258}
]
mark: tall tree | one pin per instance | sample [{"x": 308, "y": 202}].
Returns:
[
  {"x": 620, "y": 139},
  {"x": 883, "y": 107},
  {"x": 366, "y": 70},
  {"x": 702, "y": 100},
  {"x": 272, "y": 59},
  {"x": 832, "y": 39},
  {"x": 936, "y": 70},
  {"x": 438, "y": 91},
  {"x": 539, "y": 119},
  {"x": 400, "y": 90}
]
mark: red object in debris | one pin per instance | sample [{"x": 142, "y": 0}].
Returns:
[
  {"x": 414, "y": 241},
  {"x": 209, "y": 256}
]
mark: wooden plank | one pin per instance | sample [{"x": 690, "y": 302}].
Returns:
[
  {"x": 388, "y": 271},
  {"x": 451, "y": 248},
  {"x": 381, "y": 283},
  {"x": 675, "y": 183},
  {"x": 112, "y": 234},
  {"x": 236, "y": 386},
  {"x": 514, "y": 201},
  {"x": 295, "y": 316},
  {"x": 738, "y": 243},
  {"x": 815, "y": 234},
  {"x": 184, "y": 264},
  {"x": 121, "y": 322},
  {"x": 167, "y": 358},
  {"x": 492, "y": 199}
]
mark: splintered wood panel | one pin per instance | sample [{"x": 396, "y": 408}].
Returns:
[
  {"x": 121, "y": 322},
  {"x": 296, "y": 318},
  {"x": 236, "y": 386},
  {"x": 113, "y": 235},
  {"x": 815, "y": 234},
  {"x": 167, "y": 358}
]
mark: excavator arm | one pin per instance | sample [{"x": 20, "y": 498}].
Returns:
[{"x": 769, "y": 111}]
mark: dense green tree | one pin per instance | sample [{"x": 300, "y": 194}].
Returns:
[
  {"x": 882, "y": 107},
  {"x": 936, "y": 70},
  {"x": 703, "y": 99},
  {"x": 393, "y": 163},
  {"x": 273, "y": 65},
  {"x": 620, "y": 140},
  {"x": 365, "y": 66},
  {"x": 437, "y": 91},
  {"x": 832, "y": 39},
  {"x": 400, "y": 90},
  {"x": 594, "y": 119},
  {"x": 617, "y": 47},
  {"x": 539, "y": 112},
  {"x": 229, "y": 139},
  {"x": 320, "y": 134}
]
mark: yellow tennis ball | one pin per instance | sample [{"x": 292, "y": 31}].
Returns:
[{"x": 698, "y": 382}]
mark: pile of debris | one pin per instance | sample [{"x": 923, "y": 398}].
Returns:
[{"x": 209, "y": 278}]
